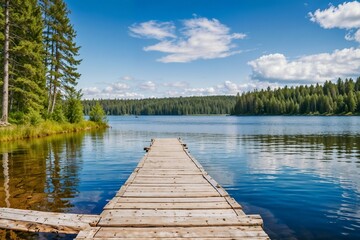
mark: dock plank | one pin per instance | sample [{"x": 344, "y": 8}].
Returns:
[
  {"x": 190, "y": 232},
  {"x": 38, "y": 221},
  {"x": 176, "y": 221}
]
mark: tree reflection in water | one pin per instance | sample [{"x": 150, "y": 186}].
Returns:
[{"x": 41, "y": 174}]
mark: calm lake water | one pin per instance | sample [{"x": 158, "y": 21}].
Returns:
[{"x": 302, "y": 174}]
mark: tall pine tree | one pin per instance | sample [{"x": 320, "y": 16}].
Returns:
[
  {"x": 62, "y": 52},
  {"x": 27, "y": 73},
  {"x": 23, "y": 70}
]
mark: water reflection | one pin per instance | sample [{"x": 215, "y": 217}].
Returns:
[
  {"x": 301, "y": 174},
  {"x": 40, "y": 175},
  {"x": 304, "y": 186}
]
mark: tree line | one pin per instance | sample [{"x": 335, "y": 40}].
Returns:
[
  {"x": 40, "y": 60},
  {"x": 165, "y": 106},
  {"x": 342, "y": 97}
]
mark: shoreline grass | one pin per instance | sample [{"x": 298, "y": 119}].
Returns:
[{"x": 44, "y": 129}]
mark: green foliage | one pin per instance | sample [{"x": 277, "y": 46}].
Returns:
[
  {"x": 17, "y": 118},
  {"x": 43, "y": 62},
  {"x": 330, "y": 98},
  {"x": 58, "y": 115},
  {"x": 74, "y": 108},
  {"x": 165, "y": 106},
  {"x": 27, "y": 69},
  {"x": 97, "y": 114},
  {"x": 61, "y": 51},
  {"x": 44, "y": 128},
  {"x": 33, "y": 118}
]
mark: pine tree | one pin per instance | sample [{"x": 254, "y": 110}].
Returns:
[
  {"x": 74, "y": 108},
  {"x": 24, "y": 72},
  {"x": 97, "y": 114},
  {"x": 26, "y": 60},
  {"x": 62, "y": 51},
  {"x": 351, "y": 102}
]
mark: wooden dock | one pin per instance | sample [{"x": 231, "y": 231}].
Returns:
[{"x": 168, "y": 196}]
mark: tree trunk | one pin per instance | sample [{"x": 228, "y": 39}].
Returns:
[
  {"x": 50, "y": 83},
  {"x": 54, "y": 100},
  {"x": 55, "y": 83},
  {"x": 5, "y": 100}
]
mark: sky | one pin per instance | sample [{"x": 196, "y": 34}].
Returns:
[{"x": 133, "y": 49}]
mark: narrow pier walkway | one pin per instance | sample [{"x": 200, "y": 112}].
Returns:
[{"x": 170, "y": 196}]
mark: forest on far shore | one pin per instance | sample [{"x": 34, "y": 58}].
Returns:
[
  {"x": 340, "y": 98},
  {"x": 165, "y": 106}
]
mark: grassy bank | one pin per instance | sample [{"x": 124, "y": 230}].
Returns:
[{"x": 47, "y": 128}]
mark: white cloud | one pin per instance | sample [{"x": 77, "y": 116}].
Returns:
[
  {"x": 114, "y": 90},
  {"x": 149, "y": 85},
  {"x": 176, "y": 89},
  {"x": 200, "y": 91},
  {"x": 124, "y": 95},
  {"x": 311, "y": 68},
  {"x": 180, "y": 85},
  {"x": 116, "y": 87},
  {"x": 344, "y": 16},
  {"x": 127, "y": 78},
  {"x": 153, "y": 29},
  {"x": 201, "y": 38},
  {"x": 91, "y": 91},
  {"x": 353, "y": 36},
  {"x": 232, "y": 87},
  {"x": 227, "y": 88},
  {"x": 109, "y": 93}
]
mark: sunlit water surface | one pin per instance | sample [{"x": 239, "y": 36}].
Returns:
[{"x": 302, "y": 174}]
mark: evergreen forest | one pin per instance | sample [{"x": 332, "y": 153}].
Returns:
[
  {"x": 40, "y": 60},
  {"x": 340, "y": 98},
  {"x": 165, "y": 106}
]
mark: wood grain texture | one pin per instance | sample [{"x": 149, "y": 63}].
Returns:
[{"x": 38, "y": 221}]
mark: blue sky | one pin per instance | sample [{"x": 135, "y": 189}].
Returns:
[{"x": 165, "y": 48}]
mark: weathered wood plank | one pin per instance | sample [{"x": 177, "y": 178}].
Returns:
[
  {"x": 168, "y": 172},
  {"x": 35, "y": 221},
  {"x": 182, "y": 188},
  {"x": 180, "y": 238},
  {"x": 159, "y": 181},
  {"x": 171, "y": 185},
  {"x": 186, "y": 194},
  {"x": 169, "y": 205},
  {"x": 168, "y": 200},
  {"x": 173, "y": 166},
  {"x": 168, "y": 180},
  {"x": 175, "y": 232},
  {"x": 88, "y": 233},
  {"x": 169, "y": 213},
  {"x": 177, "y": 221}
]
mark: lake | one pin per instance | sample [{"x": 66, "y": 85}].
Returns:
[{"x": 302, "y": 174}]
